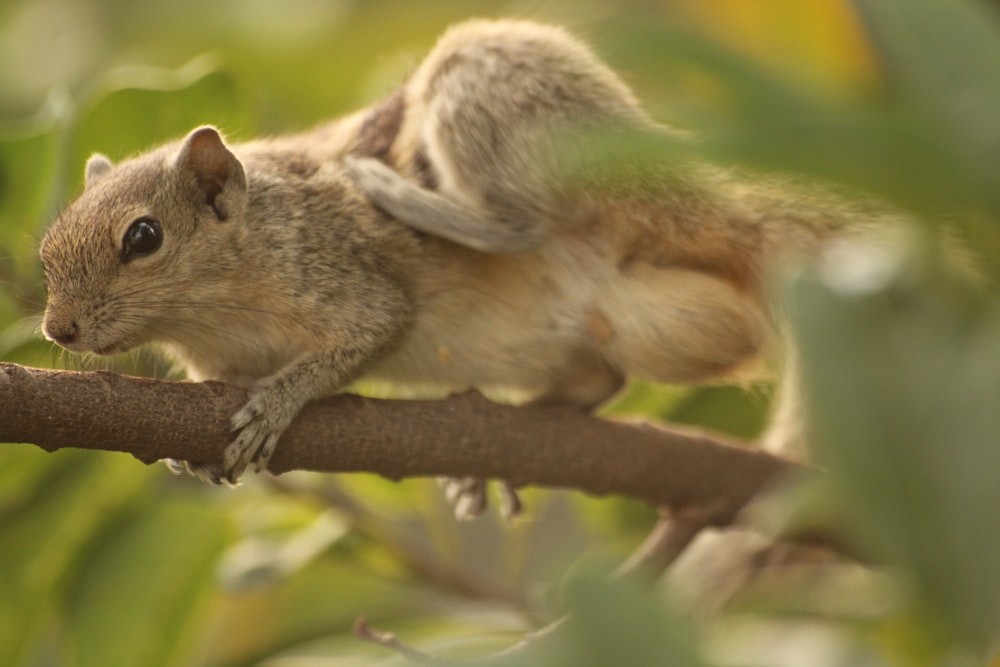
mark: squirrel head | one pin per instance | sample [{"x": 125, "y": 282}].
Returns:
[{"x": 126, "y": 261}]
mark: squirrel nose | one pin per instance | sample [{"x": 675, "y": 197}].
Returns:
[{"x": 63, "y": 334}]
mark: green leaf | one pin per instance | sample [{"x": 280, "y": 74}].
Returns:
[
  {"x": 29, "y": 193},
  {"x": 142, "y": 595},
  {"x": 617, "y": 623},
  {"x": 902, "y": 375},
  {"x": 942, "y": 58},
  {"x": 732, "y": 410},
  {"x": 48, "y": 516},
  {"x": 133, "y": 109},
  {"x": 873, "y": 145}
]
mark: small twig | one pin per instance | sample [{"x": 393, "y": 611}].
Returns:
[
  {"x": 413, "y": 553},
  {"x": 388, "y": 640},
  {"x": 529, "y": 643},
  {"x": 667, "y": 540}
]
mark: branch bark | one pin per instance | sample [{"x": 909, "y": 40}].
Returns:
[{"x": 465, "y": 435}]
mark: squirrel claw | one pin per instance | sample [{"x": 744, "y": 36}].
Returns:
[
  {"x": 210, "y": 473},
  {"x": 467, "y": 496},
  {"x": 253, "y": 445},
  {"x": 257, "y": 427}
]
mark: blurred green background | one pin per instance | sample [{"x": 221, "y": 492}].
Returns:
[{"x": 104, "y": 561}]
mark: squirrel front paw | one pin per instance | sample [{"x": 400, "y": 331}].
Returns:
[{"x": 256, "y": 429}]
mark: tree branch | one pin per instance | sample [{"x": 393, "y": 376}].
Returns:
[
  {"x": 388, "y": 640},
  {"x": 666, "y": 542},
  {"x": 465, "y": 435}
]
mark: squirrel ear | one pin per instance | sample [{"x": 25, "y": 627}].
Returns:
[
  {"x": 97, "y": 166},
  {"x": 214, "y": 171}
]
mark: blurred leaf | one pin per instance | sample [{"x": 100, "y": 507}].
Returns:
[
  {"x": 318, "y": 602},
  {"x": 943, "y": 60},
  {"x": 257, "y": 561},
  {"x": 48, "y": 515},
  {"x": 645, "y": 398},
  {"x": 20, "y": 342},
  {"x": 818, "y": 42},
  {"x": 29, "y": 192},
  {"x": 876, "y": 145},
  {"x": 746, "y": 641},
  {"x": 617, "y": 623},
  {"x": 738, "y": 412},
  {"x": 902, "y": 373},
  {"x": 142, "y": 594},
  {"x": 133, "y": 109}
]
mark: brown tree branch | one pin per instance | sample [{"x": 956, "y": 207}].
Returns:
[
  {"x": 465, "y": 435},
  {"x": 666, "y": 542}
]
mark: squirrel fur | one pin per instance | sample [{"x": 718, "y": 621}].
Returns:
[{"x": 431, "y": 239}]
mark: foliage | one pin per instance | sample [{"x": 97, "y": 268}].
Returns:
[{"x": 106, "y": 562}]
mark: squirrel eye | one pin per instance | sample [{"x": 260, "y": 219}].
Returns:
[{"x": 143, "y": 237}]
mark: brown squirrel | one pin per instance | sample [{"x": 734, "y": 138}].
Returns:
[{"x": 433, "y": 239}]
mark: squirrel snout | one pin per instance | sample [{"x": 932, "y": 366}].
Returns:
[{"x": 64, "y": 333}]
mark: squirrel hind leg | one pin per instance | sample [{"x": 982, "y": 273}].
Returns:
[
  {"x": 584, "y": 383},
  {"x": 696, "y": 327},
  {"x": 468, "y": 499},
  {"x": 438, "y": 215},
  {"x": 210, "y": 473}
]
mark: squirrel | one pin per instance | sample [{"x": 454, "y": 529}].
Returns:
[{"x": 436, "y": 238}]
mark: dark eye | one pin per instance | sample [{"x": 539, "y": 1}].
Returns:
[{"x": 143, "y": 237}]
